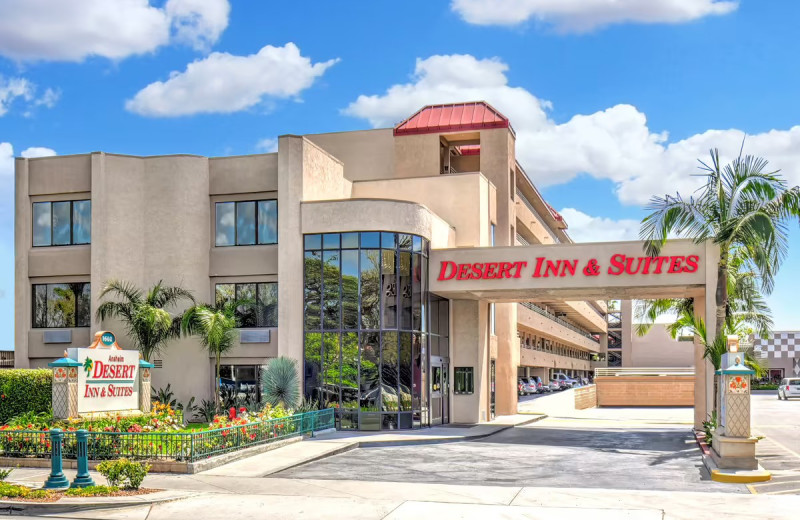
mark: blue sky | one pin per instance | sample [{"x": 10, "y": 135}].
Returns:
[{"x": 610, "y": 103}]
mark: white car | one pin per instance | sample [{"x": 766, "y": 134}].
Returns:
[{"x": 789, "y": 387}]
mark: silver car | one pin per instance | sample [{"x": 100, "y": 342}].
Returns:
[{"x": 789, "y": 387}]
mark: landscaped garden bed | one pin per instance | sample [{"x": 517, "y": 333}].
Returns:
[{"x": 158, "y": 435}]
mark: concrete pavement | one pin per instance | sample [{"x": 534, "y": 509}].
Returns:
[
  {"x": 290, "y": 499},
  {"x": 779, "y": 450}
]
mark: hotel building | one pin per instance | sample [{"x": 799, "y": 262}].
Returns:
[{"x": 330, "y": 237}]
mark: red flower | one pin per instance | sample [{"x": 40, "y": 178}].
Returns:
[{"x": 242, "y": 409}]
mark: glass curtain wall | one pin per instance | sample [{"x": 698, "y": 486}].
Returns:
[{"x": 366, "y": 328}]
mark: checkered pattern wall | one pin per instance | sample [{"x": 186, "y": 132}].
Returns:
[{"x": 780, "y": 345}]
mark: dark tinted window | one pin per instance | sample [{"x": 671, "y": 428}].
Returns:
[
  {"x": 246, "y": 223},
  {"x": 260, "y": 307},
  {"x": 62, "y": 223},
  {"x": 61, "y": 305}
]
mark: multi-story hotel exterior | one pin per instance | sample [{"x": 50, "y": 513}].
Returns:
[{"x": 330, "y": 236}]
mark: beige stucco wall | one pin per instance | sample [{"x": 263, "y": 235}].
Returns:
[
  {"x": 374, "y": 215},
  {"x": 243, "y": 174},
  {"x": 365, "y": 154},
  {"x": 461, "y": 200},
  {"x": 658, "y": 349}
]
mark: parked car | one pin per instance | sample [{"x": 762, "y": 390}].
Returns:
[
  {"x": 524, "y": 387},
  {"x": 540, "y": 385},
  {"x": 556, "y": 385},
  {"x": 564, "y": 377},
  {"x": 789, "y": 387},
  {"x": 532, "y": 381}
]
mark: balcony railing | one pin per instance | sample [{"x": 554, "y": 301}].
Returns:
[
  {"x": 550, "y": 315},
  {"x": 521, "y": 239},
  {"x": 528, "y": 203}
]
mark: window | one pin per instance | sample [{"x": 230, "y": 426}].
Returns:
[
  {"x": 492, "y": 320},
  {"x": 61, "y": 305},
  {"x": 262, "y": 309},
  {"x": 491, "y": 235},
  {"x": 62, "y": 223},
  {"x": 464, "y": 380},
  {"x": 246, "y": 223}
]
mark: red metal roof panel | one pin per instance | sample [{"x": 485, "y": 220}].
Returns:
[{"x": 454, "y": 117}]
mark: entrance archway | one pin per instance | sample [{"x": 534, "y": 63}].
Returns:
[{"x": 483, "y": 283}]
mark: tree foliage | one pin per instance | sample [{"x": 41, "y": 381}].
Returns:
[
  {"x": 743, "y": 209},
  {"x": 145, "y": 315}
]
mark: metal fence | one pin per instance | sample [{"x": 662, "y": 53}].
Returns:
[{"x": 180, "y": 446}]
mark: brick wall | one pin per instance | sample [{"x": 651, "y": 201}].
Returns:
[
  {"x": 586, "y": 397},
  {"x": 645, "y": 391}
]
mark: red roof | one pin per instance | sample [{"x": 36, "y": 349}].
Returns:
[
  {"x": 469, "y": 149},
  {"x": 455, "y": 117}
]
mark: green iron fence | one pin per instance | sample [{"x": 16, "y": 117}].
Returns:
[{"x": 187, "y": 446}]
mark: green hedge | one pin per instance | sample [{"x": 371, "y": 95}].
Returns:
[{"x": 24, "y": 390}]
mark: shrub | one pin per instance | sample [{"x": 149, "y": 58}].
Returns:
[
  {"x": 15, "y": 491},
  {"x": 92, "y": 491},
  {"x": 123, "y": 472},
  {"x": 24, "y": 390},
  {"x": 4, "y": 473},
  {"x": 280, "y": 383}
]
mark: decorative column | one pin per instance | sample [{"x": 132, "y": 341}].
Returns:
[
  {"x": 144, "y": 386},
  {"x": 65, "y": 387},
  {"x": 733, "y": 448},
  {"x": 83, "y": 479},
  {"x": 57, "y": 479}
]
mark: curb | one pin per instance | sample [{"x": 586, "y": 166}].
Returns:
[
  {"x": 749, "y": 477},
  {"x": 728, "y": 476},
  {"x": 36, "y": 508}
]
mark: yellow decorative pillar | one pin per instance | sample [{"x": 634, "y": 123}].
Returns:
[{"x": 144, "y": 385}]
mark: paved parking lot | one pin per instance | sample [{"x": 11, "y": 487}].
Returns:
[
  {"x": 779, "y": 451},
  {"x": 550, "y": 453}
]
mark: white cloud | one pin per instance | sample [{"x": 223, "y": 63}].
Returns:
[
  {"x": 71, "y": 30},
  {"x": 267, "y": 145},
  {"x": 12, "y": 89},
  {"x": 198, "y": 23},
  {"x": 37, "y": 151},
  {"x": 586, "y": 228},
  {"x": 224, "y": 83},
  {"x": 20, "y": 89},
  {"x": 585, "y": 15},
  {"x": 614, "y": 144}
]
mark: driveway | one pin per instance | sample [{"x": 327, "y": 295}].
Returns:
[
  {"x": 586, "y": 453},
  {"x": 779, "y": 450}
]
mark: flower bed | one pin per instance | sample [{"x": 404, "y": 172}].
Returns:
[{"x": 158, "y": 439}]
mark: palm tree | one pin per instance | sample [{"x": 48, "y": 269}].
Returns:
[
  {"x": 217, "y": 327},
  {"x": 741, "y": 207},
  {"x": 745, "y": 303},
  {"x": 147, "y": 322}
]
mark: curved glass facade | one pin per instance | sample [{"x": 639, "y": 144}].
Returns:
[{"x": 366, "y": 324}]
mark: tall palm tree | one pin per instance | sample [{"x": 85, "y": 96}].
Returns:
[
  {"x": 217, "y": 327},
  {"x": 742, "y": 207},
  {"x": 147, "y": 322}
]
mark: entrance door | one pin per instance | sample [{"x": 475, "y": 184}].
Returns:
[
  {"x": 440, "y": 391},
  {"x": 445, "y": 392},
  {"x": 491, "y": 389}
]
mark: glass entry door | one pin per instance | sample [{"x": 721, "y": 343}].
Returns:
[
  {"x": 440, "y": 391},
  {"x": 491, "y": 389}
]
